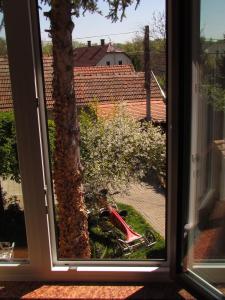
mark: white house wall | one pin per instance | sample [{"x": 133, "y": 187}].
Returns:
[{"x": 114, "y": 59}]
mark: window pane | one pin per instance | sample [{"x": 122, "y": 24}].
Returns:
[
  {"x": 206, "y": 224},
  {"x": 122, "y": 153},
  {"x": 13, "y": 241}
]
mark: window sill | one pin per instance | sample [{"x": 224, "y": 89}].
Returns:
[{"x": 104, "y": 269}]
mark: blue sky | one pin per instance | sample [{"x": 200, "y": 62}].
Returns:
[
  {"x": 2, "y": 31},
  {"x": 96, "y": 25},
  {"x": 213, "y": 18},
  {"x": 212, "y": 22}
]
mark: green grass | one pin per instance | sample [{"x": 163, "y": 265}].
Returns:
[{"x": 104, "y": 237}]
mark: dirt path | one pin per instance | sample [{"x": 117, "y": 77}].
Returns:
[{"x": 149, "y": 203}]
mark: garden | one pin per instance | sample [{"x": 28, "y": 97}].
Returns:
[{"x": 115, "y": 153}]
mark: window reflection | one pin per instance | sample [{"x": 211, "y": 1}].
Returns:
[
  {"x": 13, "y": 242},
  {"x": 206, "y": 242}
]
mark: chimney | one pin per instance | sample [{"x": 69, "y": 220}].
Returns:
[
  {"x": 102, "y": 42},
  {"x": 89, "y": 43}
]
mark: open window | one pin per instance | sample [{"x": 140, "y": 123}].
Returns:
[
  {"x": 13, "y": 239},
  {"x": 203, "y": 211},
  {"x": 195, "y": 154},
  {"x": 123, "y": 153},
  {"x": 31, "y": 96}
]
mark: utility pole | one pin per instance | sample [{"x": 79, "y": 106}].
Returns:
[{"x": 147, "y": 69}]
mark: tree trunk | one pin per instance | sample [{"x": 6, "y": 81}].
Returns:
[
  {"x": 73, "y": 225},
  {"x": 1, "y": 202}
]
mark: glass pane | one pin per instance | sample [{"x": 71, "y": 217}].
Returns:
[
  {"x": 13, "y": 241},
  {"x": 206, "y": 223},
  {"x": 123, "y": 155}
]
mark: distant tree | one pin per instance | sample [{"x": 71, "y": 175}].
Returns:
[
  {"x": 158, "y": 26},
  {"x": 47, "y": 48},
  {"x": 9, "y": 164},
  {"x": 77, "y": 44},
  {"x": 212, "y": 66},
  {"x": 221, "y": 71},
  {"x": 215, "y": 96},
  {"x": 3, "y": 47},
  {"x": 207, "y": 61},
  {"x": 158, "y": 60},
  {"x": 134, "y": 50},
  {"x": 158, "y": 46},
  {"x": 9, "y": 167}
]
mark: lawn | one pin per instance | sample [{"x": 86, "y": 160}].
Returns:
[{"x": 104, "y": 236}]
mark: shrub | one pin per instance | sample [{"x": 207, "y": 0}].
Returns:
[
  {"x": 119, "y": 150},
  {"x": 9, "y": 166},
  {"x": 115, "y": 151},
  {"x": 215, "y": 95}
]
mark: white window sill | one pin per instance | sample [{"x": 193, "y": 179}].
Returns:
[{"x": 104, "y": 269}]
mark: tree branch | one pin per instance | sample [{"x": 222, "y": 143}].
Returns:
[{"x": 117, "y": 8}]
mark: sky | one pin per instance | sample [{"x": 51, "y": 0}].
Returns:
[
  {"x": 95, "y": 25},
  {"x": 213, "y": 18},
  {"x": 212, "y": 22},
  {"x": 2, "y": 31}
]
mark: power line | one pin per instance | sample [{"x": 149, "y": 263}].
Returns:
[
  {"x": 140, "y": 52},
  {"x": 109, "y": 34}
]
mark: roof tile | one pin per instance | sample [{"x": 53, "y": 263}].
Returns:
[{"x": 107, "y": 85}]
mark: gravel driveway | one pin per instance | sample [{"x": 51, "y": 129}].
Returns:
[{"x": 150, "y": 203}]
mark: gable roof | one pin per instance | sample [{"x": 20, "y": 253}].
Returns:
[
  {"x": 90, "y": 56},
  {"x": 108, "y": 85}
]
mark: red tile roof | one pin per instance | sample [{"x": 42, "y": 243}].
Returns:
[
  {"x": 113, "y": 87},
  {"x": 5, "y": 85},
  {"x": 103, "y": 70},
  {"x": 108, "y": 85},
  {"x": 136, "y": 109},
  {"x": 90, "y": 56}
]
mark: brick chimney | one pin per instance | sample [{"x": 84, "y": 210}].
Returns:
[
  {"x": 102, "y": 42},
  {"x": 89, "y": 43}
]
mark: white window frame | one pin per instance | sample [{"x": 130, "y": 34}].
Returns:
[
  {"x": 28, "y": 96},
  {"x": 212, "y": 269}
]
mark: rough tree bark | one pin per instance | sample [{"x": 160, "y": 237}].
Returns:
[
  {"x": 73, "y": 225},
  {"x": 1, "y": 202}
]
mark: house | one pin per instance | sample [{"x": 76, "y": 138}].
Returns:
[
  {"x": 108, "y": 85},
  {"x": 100, "y": 55}
]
